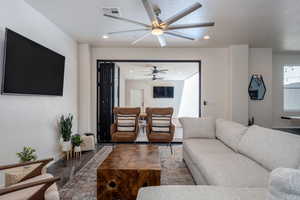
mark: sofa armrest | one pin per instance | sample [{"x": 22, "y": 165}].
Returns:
[
  {"x": 39, "y": 193},
  {"x": 204, "y": 127}
]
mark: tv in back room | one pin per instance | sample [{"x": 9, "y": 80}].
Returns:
[
  {"x": 163, "y": 92},
  {"x": 30, "y": 68}
]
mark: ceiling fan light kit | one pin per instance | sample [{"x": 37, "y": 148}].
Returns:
[
  {"x": 157, "y": 31},
  {"x": 160, "y": 28}
]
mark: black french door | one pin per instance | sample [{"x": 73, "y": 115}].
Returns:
[{"x": 107, "y": 98}]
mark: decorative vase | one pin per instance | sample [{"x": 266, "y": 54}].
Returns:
[{"x": 66, "y": 146}]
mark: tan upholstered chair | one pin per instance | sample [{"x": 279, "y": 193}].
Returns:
[
  {"x": 34, "y": 185},
  {"x": 125, "y": 136},
  {"x": 159, "y": 136}
]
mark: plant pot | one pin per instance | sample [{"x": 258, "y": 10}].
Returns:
[
  {"x": 66, "y": 146},
  {"x": 77, "y": 149}
]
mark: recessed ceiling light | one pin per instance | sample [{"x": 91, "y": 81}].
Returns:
[
  {"x": 206, "y": 37},
  {"x": 105, "y": 36}
]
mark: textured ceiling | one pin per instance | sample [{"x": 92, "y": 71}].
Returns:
[{"x": 176, "y": 71}]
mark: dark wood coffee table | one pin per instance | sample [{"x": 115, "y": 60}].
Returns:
[{"x": 128, "y": 168}]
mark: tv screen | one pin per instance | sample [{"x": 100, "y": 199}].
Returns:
[
  {"x": 163, "y": 92},
  {"x": 30, "y": 68}
]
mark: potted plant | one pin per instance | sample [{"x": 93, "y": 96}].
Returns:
[
  {"x": 28, "y": 154},
  {"x": 65, "y": 127},
  {"x": 76, "y": 141}
]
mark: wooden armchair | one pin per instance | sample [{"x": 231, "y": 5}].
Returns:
[
  {"x": 33, "y": 186},
  {"x": 162, "y": 130},
  {"x": 119, "y": 135}
]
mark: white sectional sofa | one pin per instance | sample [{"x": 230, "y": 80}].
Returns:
[{"x": 232, "y": 161}]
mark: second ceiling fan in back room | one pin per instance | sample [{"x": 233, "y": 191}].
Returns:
[
  {"x": 159, "y": 27},
  {"x": 155, "y": 72}
]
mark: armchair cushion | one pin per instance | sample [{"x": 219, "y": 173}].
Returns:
[
  {"x": 126, "y": 123},
  {"x": 161, "y": 123}
]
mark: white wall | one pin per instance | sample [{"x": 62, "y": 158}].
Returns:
[
  {"x": 260, "y": 62},
  {"x": 149, "y": 101},
  {"x": 84, "y": 86},
  {"x": 214, "y": 76},
  {"x": 189, "y": 106},
  {"x": 239, "y": 65},
  {"x": 32, "y": 120},
  {"x": 223, "y": 71},
  {"x": 279, "y": 60}
]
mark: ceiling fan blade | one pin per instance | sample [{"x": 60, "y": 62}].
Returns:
[
  {"x": 127, "y": 20},
  {"x": 150, "y": 11},
  {"x": 185, "y": 26},
  {"x": 128, "y": 31},
  {"x": 182, "y": 14},
  {"x": 180, "y": 35},
  {"x": 141, "y": 38},
  {"x": 163, "y": 70},
  {"x": 162, "y": 40}
]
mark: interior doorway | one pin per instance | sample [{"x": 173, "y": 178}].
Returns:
[
  {"x": 156, "y": 83},
  {"x": 137, "y": 98}
]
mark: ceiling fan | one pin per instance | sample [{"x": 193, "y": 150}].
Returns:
[
  {"x": 155, "y": 77},
  {"x": 160, "y": 28},
  {"x": 156, "y": 71}
]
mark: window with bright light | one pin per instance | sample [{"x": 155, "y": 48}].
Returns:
[{"x": 291, "y": 88}]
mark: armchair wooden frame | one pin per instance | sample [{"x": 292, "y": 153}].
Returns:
[
  {"x": 159, "y": 137},
  {"x": 40, "y": 193},
  {"x": 130, "y": 136}
]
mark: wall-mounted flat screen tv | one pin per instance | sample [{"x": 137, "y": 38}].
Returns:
[
  {"x": 30, "y": 68},
  {"x": 163, "y": 92}
]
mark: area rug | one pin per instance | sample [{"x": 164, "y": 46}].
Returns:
[{"x": 82, "y": 186}]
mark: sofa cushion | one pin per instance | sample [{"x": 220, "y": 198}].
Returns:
[
  {"x": 194, "y": 147},
  {"x": 271, "y": 148},
  {"x": 198, "y": 127},
  {"x": 230, "y": 132},
  {"x": 200, "y": 193},
  {"x": 284, "y": 184},
  {"x": 232, "y": 169}
]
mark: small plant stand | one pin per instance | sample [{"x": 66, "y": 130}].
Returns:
[
  {"x": 77, "y": 152},
  {"x": 68, "y": 154}
]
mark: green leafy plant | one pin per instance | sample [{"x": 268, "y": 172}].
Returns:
[
  {"x": 65, "y": 127},
  {"x": 76, "y": 140},
  {"x": 28, "y": 154}
]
